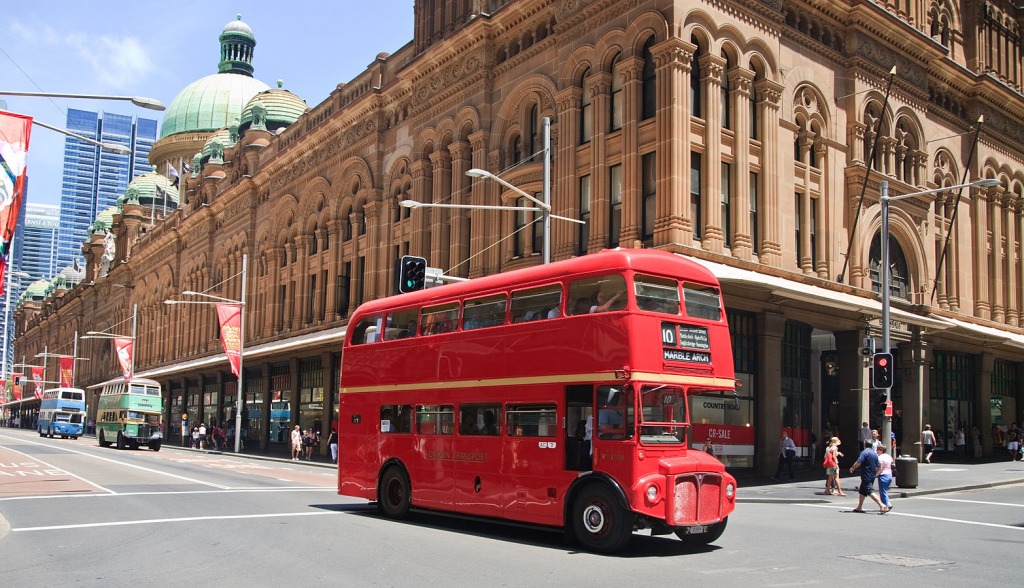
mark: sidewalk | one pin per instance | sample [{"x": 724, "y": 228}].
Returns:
[
  {"x": 932, "y": 478},
  {"x": 281, "y": 455}
]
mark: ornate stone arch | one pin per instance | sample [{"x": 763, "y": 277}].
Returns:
[
  {"x": 581, "y": 59},
  {"x": 906, "y": 243}
]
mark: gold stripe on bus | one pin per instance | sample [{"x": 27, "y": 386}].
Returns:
[{"x": 558, "y": 379}]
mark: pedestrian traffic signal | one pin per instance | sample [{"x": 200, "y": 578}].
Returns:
[
  {"x": 412, "y": 273},
  {"x": 882, "y": 370}
]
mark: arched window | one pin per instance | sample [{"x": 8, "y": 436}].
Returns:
[
  {"x": 615, "y": 112},
  {"x": 696, "y": 106},
  {"x": 313, "y": 245},
  {"x": 533, "y": 126},
  {"x": 726, "y": 108},
  {"x": 899, "y": 280},
  {"x": 586, "y": 108},
  {"x": 649, "y": 93}
]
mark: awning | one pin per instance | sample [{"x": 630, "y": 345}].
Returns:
[
  {"x": 985, "y": 333},
  {"x": 335, "y": 335},
  {"x": 824, "y": 297}
]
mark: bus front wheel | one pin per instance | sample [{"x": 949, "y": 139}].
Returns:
[
  {"x": 710, "y": 535},
  {"x": 395, "y": 492},
  {"x": 103, "y": 440},
  {"x": 599, "y": 521},
  {"x": 154, "y": 446},
  {"x": 120, "y": 441}
]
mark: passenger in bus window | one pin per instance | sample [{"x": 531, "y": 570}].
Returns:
[
  {"x": 467, "y": 423},
  {"x": 609, "y": 417},
  {"x": 490, "y": 427},
  {"x": 605, "y": 302}
]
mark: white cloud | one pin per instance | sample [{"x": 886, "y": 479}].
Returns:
[{"x": 116, "y": 62}]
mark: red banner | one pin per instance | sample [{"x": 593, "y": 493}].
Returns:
[
  {"x": 67, "y": 372},
  {"x": 125, "y": 347},
  {"x": 230, "y": 316},
  {"x": 3, "y": 391},
  {"x": 16, "y": 386},
  {"x": 14, "y": 132},
  {"x": 37, "y": 382}
]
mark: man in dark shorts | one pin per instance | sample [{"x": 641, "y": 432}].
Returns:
[{"x": 867, "y": 461}]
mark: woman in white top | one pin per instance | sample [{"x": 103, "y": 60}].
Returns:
[{"x": 884, "y": 476}]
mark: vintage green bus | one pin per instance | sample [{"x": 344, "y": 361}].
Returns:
[{"x": 129, "y": 413}]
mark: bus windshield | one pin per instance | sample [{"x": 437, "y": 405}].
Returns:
[{"x": 663, "y": 414}]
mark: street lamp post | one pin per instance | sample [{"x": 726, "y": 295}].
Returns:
[
  {"x": 241, "y": 341},
  {"x": 886, "y": 270},
  {"x": 7, "y": 319}
]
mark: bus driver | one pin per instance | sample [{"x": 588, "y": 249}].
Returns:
[{"x": 609, "y": 416}]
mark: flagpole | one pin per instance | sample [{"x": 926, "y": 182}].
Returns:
[
  {"x": 74, "y": 359},
  {"x": 241, "y": 354},
  {"x": 135, "y": 324}
]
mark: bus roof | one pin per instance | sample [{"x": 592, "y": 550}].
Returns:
[
  {"x": 143, "y": 381},
  {"x": 608, "y": 260}
]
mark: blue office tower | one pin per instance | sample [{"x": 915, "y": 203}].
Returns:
[{"x": 95, "y": 178}]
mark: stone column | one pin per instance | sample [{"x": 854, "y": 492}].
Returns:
[
  {"x": 770, "y": 94},
  {"x": 333, "y": 270},
  {"x": 459, "y": 218},
  {"x": 480, "y": 237},
  {"x": 565, "y": 180},
  {"x": 740, "y": 81},
  {"x": 983, "y": 405},
  {"x": 440, "y": 230},
  {"x": 978, "y": 230},
  {"x": 376, "y": 271},
  {"x": 770, "y": 329},
  {"x": 712, "y": 67},
  {"x": 422, "y": 190},
  {"x": 672, "y": 62},
  {"x": 1011, "y": 209},
  {"x": 600, "y": 85},
  {"x": 821, "y": 230},
  {"x": 301, "y": 281},
  {"x": 853, "y": 393},
  {"x": 632, "y": 70},
  {"x": 915, "y": 359},
  {"x": 996, "y": 223}
]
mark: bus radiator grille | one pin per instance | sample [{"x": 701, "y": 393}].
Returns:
[{"x": 698, "y": 499}]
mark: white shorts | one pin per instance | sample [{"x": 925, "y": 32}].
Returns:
[{"x": 1012, "y": 446}]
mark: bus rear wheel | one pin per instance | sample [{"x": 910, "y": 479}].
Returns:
[
  {"x": 599, "y": 521},
  {"x": 103, "y": 440},
  {"x": 394, "y": 495},
  {"x": 710, "y": 535}
]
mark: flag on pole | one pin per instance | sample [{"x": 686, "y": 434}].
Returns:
[
  {"x": 172, "y": 174},
  {"x": 67, "y": 372},
  {"x": 186, "y": 168},
  {"x": 14, "y": 133},
  {"x": 124, "y": 347},
  {"x": 3, "y": 391},
  {"x": 230, "y": 316},
  {"x": 37, "y": 382}
]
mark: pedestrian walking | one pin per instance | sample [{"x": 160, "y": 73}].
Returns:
[
  {"x": 787, "y": 451},
  {"x": 332, "y": 441},
  {"x": 296, "y": 439},
  {"x": 976, "y": 442},
  {"x": 928, "y": 443},
  {"x": 863, "y": 436},
  {"x": 867, "y": 462},
  {"x": 961, "y": 444},
  {"x": 885, "y": 475},
  {"x": 831, "y": 464},
  {"x": 1013, "y": 441}
]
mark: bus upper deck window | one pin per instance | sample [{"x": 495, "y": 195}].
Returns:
[
  {"x": 439, "y": 319},
  {"x": 656, "y": 294},
  {"x": 584, "y": 294},
  {"x": 401, "y": 324},
  {"x": 484, "y": 312},
  {"x": 537, "y": 303},
  {"x": 703, "y": 302},
  {"x": 367, "y": 330}
]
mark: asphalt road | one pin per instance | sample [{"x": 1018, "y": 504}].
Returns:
[{"x": 72, "y": 513}]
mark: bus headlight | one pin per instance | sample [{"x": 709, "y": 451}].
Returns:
[
  {"x": 730, "y": 490},
  {"x": 652, "y": 493}
]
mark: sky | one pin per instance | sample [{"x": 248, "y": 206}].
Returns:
[{"x": 155, "y": 49}]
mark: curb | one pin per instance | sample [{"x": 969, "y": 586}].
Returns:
[{"x": 319, "y": 464}]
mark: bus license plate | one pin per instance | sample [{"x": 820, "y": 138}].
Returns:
[{"x": 696, "y": 530}]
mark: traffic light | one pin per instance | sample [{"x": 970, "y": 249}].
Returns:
[
  {"x": 412, "y": 273},
  {"x": 882, "y": 370}
]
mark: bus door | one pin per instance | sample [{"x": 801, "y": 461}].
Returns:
[
  {"x": 534, "y": 462},
  {"x": 614, "y": 424},
  {"x": 480, "y": 486},
  {"x": 578, "y": 427},
  {"x": 432, "y": 474}
]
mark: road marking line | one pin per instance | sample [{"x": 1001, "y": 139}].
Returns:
[
  {"x": 972, "y": 501},
  {"x": 114, "y": 461},
  {"x": 164, "y": 521},
  {"x": 61, "y": 469},
  {"x": 928, "y": 517},
  {"x": 175, "y": 493}
]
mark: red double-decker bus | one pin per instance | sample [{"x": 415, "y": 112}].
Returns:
[{"x": 554, "y": 395}]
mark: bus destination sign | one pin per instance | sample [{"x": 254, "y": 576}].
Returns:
[{"x": 686, "y": 343}]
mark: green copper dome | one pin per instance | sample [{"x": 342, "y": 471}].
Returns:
[
  {"x": 223, "y": 137},
  {"x": 150, "y": 190},
  {"x": 282, "y": 108},
  {"x": 210, "y": 103},
  {"x": 104, "y": 220},
  {"x": 35, "y": 291}
]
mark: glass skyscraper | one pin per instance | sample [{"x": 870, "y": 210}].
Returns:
[
  {"x": 95, "y": 178},
  {"x": 38, "y": 251}
]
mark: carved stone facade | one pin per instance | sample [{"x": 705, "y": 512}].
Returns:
[{"x": 737, "y": 132}]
